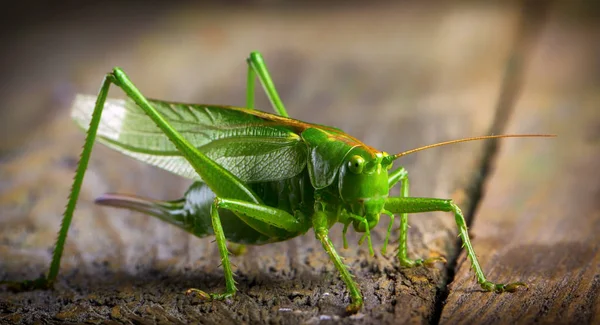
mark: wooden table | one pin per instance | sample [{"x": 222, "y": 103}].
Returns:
[{"x": 396, "y": 77}]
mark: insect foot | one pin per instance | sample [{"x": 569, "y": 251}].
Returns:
[
  {"x": 354, "y": 307},
  {"x": 499, "y": 288},
  {"x": 208, "y": 296},
  {"x": 407, "y": 262}
]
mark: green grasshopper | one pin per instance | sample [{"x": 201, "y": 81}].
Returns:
[{"x": 260, "y": 177}]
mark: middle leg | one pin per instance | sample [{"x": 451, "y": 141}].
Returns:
[
  {"x": 283, "y": 222},
  {"x": 322, "y": 233}
]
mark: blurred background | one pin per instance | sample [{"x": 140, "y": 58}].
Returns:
[{"x": 396, "y": 75}]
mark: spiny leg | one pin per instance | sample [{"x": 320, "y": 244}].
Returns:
[
  {"x": 220, "y": 180},
  {"x": 120, "y": 79},
  {"x": 272, "y": 216},
  {"x": 416, "y": 205},
  {"x": 322, "y": 234},
  {"x": 45, "y": 282},
  {"x": 258, "y": 67},
  {"x": 401, "y": 175}
]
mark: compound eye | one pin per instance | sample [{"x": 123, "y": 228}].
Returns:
[{"x": 356, "y": 164}]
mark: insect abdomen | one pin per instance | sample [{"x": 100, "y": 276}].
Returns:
[{"x": 192, "y": 212}]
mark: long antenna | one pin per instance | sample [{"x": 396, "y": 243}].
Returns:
[{"x": 485, "y": 137}]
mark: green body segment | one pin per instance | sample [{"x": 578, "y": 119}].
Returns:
[{"x": 260, "y": 177}]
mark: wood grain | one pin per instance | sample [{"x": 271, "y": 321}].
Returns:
[{"x": 539, "y": 221}]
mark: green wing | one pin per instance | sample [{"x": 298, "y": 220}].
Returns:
[{"x": 251, "y": 146}]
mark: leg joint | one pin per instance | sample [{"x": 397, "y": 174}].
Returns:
[
  {"x": 321, "y": 232},
  {"x": 218, "y": 202},
  {"x": 453, "y": 206}
]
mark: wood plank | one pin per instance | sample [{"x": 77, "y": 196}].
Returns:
[
  {"x": 540, "y": 217},
  {"x": 395, "y": 86}
]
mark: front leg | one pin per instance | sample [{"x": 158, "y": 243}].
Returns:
[
  {"x": 401, "y": 175},
  {"x": 416, "y": 205}
]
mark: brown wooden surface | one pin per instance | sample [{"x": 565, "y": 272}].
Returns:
[
  {"x": 539, "y": 221},
  {"x": 396, "y": 77}
]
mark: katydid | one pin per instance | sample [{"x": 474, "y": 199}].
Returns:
[{"x": 260, "y": 177}]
